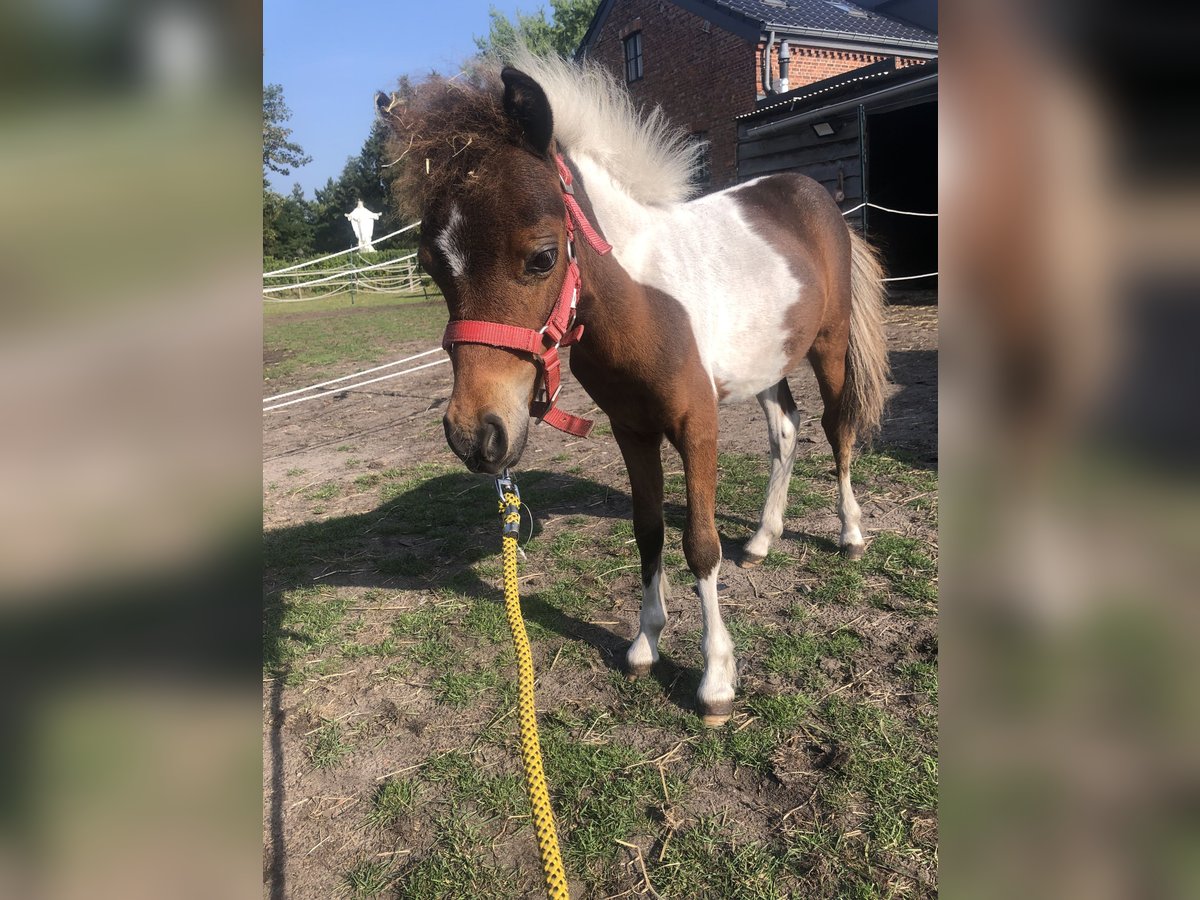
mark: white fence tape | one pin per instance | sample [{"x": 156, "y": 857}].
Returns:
[
  {"x": 910, "y": 277},
  {"x": 899, "y": 212},
  {"x": 351, "y": 387},
  {"x": 336, "y": 275},
  {"x": 315, "y": 387},
  {"x": 313, "y": 262}
]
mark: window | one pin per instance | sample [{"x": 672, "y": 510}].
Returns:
[
  {"x": 633, "y": 57},
  {"x": 702, "y": 174}
]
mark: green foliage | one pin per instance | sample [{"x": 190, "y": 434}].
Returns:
[
  {"x": 362, "y": 178},
  {"x": 560, "y": 34},
  {"x": 280, "y": 153},
  {"x": 295, "y": 227},
  {"x": 287, "y": 225}
]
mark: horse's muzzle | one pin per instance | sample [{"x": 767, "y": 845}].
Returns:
[{"x": 487, "y": 450}]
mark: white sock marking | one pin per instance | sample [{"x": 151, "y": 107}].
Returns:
[
  {"x": 720, "y": 668},
  {"x": 781, "y": 428},
  {"x": 644, "y": 649},
  {"x": 849, "y": 513}
]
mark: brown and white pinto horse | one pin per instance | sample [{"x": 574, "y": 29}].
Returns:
[{"x": 700, "y": 302}]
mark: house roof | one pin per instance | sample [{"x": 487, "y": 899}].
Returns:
[
  {"x": 836, "y": 17},
  {"x": 831, "y": 20},
  {"x": 852, "y": 84}
]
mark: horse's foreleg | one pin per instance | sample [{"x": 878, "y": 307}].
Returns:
[
  {"x": 782, "y": 420},
  {"x": 696, "y": 439},
  {"x": 644, "y": 462}
]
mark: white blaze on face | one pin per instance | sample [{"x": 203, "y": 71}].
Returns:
[{"x": 450, "y": 243}]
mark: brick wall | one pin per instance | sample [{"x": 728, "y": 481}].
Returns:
[
  {"x": 703, "y": 76},
  {"x": 811, "y": 64},
  {"x": 699, "y": 74}
]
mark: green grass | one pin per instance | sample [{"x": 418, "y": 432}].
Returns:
[
  {"x": 710, "y": 859},
  {"x": 327, "y": 745},
  {"x": 886, "y": 765},
  {"x": 313, "y": 347},
  {"x": 603, "y": 791},
  {"x": 464, "y": 781},
  {"x": 844, "y": 585},
  {"x": 486, "y": 619},
  {"x": 369, "y": 878},
  {"x": 455, "y": 867},
  {"x": 393, "y": 800},
  {"x": 324, "y": 492},
  {"x": 904, "y": 562},
  {"x": 299, "y": 623},
  {"x": 463, "y": 688}
]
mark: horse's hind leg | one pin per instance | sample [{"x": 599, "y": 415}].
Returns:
[
  {"x": 782, "y": 420},
  {"x": 828, "y": 358}
]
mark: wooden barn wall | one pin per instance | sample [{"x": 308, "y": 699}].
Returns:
[{"x": 799, "y": 149}]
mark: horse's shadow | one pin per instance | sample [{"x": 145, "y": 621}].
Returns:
[{"x": 432, "y": 535}]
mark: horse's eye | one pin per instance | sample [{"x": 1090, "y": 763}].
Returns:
[{"x": 542, "y": 262}]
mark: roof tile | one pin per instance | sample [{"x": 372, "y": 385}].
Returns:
[{"x": 837, "y": 16}]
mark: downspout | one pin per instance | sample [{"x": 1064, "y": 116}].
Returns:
[
  {"x": 766, "y": 65},
  {"x": 785, "y": 61}
]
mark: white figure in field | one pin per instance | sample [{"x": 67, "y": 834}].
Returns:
[{"x": 363, "y": 222}]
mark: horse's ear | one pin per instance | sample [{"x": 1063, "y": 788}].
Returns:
[{"x": 526, "y": 104}]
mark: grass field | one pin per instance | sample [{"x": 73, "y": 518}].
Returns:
[
  {"x": 387, "y": 657},
  {"x": 316, "y": 335}
]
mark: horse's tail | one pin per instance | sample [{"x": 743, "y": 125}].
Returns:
[{"x": 867, "y": 367}]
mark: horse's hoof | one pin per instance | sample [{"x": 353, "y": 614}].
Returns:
[
  {"x": 853, "y": 551},
  {"x": 714, "y": 715},
  {"x": 633, "y": 673},
  {"x": 750, "y": 560}
]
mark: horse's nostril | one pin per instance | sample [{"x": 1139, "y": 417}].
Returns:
[{"x": 493, "y": 439}]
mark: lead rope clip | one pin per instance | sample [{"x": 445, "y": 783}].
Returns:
[{"x": 504, "y": 488}]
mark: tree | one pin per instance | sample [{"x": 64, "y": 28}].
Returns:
[
  {"x": 287, "y": 221},
  {"x": 363, "y": 178},
  {"x": 292, "y": 226},
  {"x": 561, "y": 34},
  {"x": 279, "y": 153}
]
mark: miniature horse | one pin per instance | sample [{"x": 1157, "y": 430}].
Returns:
[{"x": 699, "y": 302}]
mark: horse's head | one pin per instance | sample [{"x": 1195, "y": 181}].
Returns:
[{"x": 481, "y": 167}]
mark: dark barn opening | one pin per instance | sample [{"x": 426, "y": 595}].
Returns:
[
  {"x": 901, "y": 170},
  {"x": 869, "y": 136}
]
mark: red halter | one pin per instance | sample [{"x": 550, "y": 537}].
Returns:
[{"x": 560, "y": 329}]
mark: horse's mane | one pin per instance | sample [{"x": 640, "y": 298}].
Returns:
[
  {"x": 444, "y": 131},
  {"x": 594, "y": 115}
]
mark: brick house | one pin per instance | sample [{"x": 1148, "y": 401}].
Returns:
[{"x": 702, "y": 61}]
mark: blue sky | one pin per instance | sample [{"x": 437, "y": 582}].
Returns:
[{"x": 332, "y": 57}]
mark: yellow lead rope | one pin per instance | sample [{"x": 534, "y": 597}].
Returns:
[{"x": 531, "y": 749}]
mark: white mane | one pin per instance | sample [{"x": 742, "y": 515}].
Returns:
[{"x": 594, "y": 115}]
